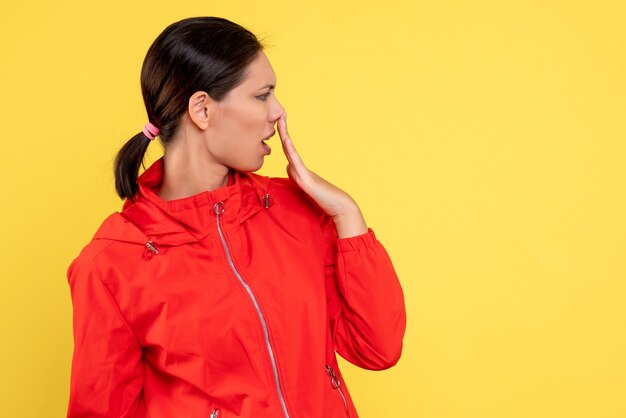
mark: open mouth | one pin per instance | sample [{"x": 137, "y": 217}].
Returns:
[{"x": 266, "y": 147}]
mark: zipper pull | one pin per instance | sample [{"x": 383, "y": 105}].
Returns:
[
  {"x": 215, "y": 413},
  {"x": 151, "y": 247},
  {"x": 266, "y": 200},
  {"x": 334, "y": 379},
  {"x": 218, "y": 208},
  {"x": 336, "y": 384}
]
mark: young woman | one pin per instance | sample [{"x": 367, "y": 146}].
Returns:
[{"x": 218, "y": 292}]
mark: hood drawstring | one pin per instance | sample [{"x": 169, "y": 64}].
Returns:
[{"x": 266, "y": 200}]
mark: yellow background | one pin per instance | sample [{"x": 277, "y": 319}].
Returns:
[{"x": 483, "y": 140}]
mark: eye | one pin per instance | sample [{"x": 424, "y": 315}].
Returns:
[{"x": 263, "y": 96}]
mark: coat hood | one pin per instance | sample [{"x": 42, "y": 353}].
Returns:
[{"x": 174, "y": 222}]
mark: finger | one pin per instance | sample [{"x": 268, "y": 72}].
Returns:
[
  {"x": 283, "y": 134},
  {"x": 282, "y": 129},
  {"x": 296, "y": 168},
  {"x": 288, "y": 146},
  {"x": 286, "y": 150},
  {"x": 292, "y": 174}
]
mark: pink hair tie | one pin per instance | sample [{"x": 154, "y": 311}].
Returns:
[{"x": 150, "y": 131}]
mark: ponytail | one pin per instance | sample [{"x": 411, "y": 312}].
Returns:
[{"x": 127, "y": 163}]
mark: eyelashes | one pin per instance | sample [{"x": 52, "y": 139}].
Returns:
[{"x": 263, "y": 96}]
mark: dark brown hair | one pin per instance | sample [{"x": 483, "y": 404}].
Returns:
[{"x": 207, "y": 54}]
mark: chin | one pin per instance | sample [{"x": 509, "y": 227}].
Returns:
[{"x": 248, "y": 167}]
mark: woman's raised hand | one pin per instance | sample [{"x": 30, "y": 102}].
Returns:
[{"x": 335, "y": 202}]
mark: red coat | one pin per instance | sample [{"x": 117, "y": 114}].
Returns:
[{"x": 228, "y": 303}]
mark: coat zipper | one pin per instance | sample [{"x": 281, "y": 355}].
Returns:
[
  {"x": 215, "y": 413},
  {"x": 336, "y": 384},
  {"x": 218, "y": 208}
]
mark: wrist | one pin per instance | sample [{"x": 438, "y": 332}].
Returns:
[{"x": 350, "y": 222}]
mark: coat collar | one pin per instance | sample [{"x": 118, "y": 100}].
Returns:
[{"x": 189, "y": 219}]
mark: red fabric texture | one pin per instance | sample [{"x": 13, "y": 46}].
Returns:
[{"x": 176, "y": 333}]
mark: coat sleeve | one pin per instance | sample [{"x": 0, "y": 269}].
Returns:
[
  {"x": 366, "y": 308},
  {"x": 107, "y": 371}
]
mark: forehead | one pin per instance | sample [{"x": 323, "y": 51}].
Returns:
[{"x": 259, "y": 72}]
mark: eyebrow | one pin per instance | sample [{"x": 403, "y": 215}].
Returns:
[{"x": 271, "y": 86}]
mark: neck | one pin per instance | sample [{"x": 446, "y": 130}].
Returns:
[{"x": 187, "y": 173}]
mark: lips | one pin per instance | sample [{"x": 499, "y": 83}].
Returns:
[
  {"x": 269, "y": 136},
  {"x": 266, "y": 148}
]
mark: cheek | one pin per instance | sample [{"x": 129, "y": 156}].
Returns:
[{"x": 247, "y": 120}]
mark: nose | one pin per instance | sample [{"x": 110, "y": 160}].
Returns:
[{"x": 276, "y": 111}]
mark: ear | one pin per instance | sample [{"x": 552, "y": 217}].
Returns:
[{"x": 201, "y": 109}]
